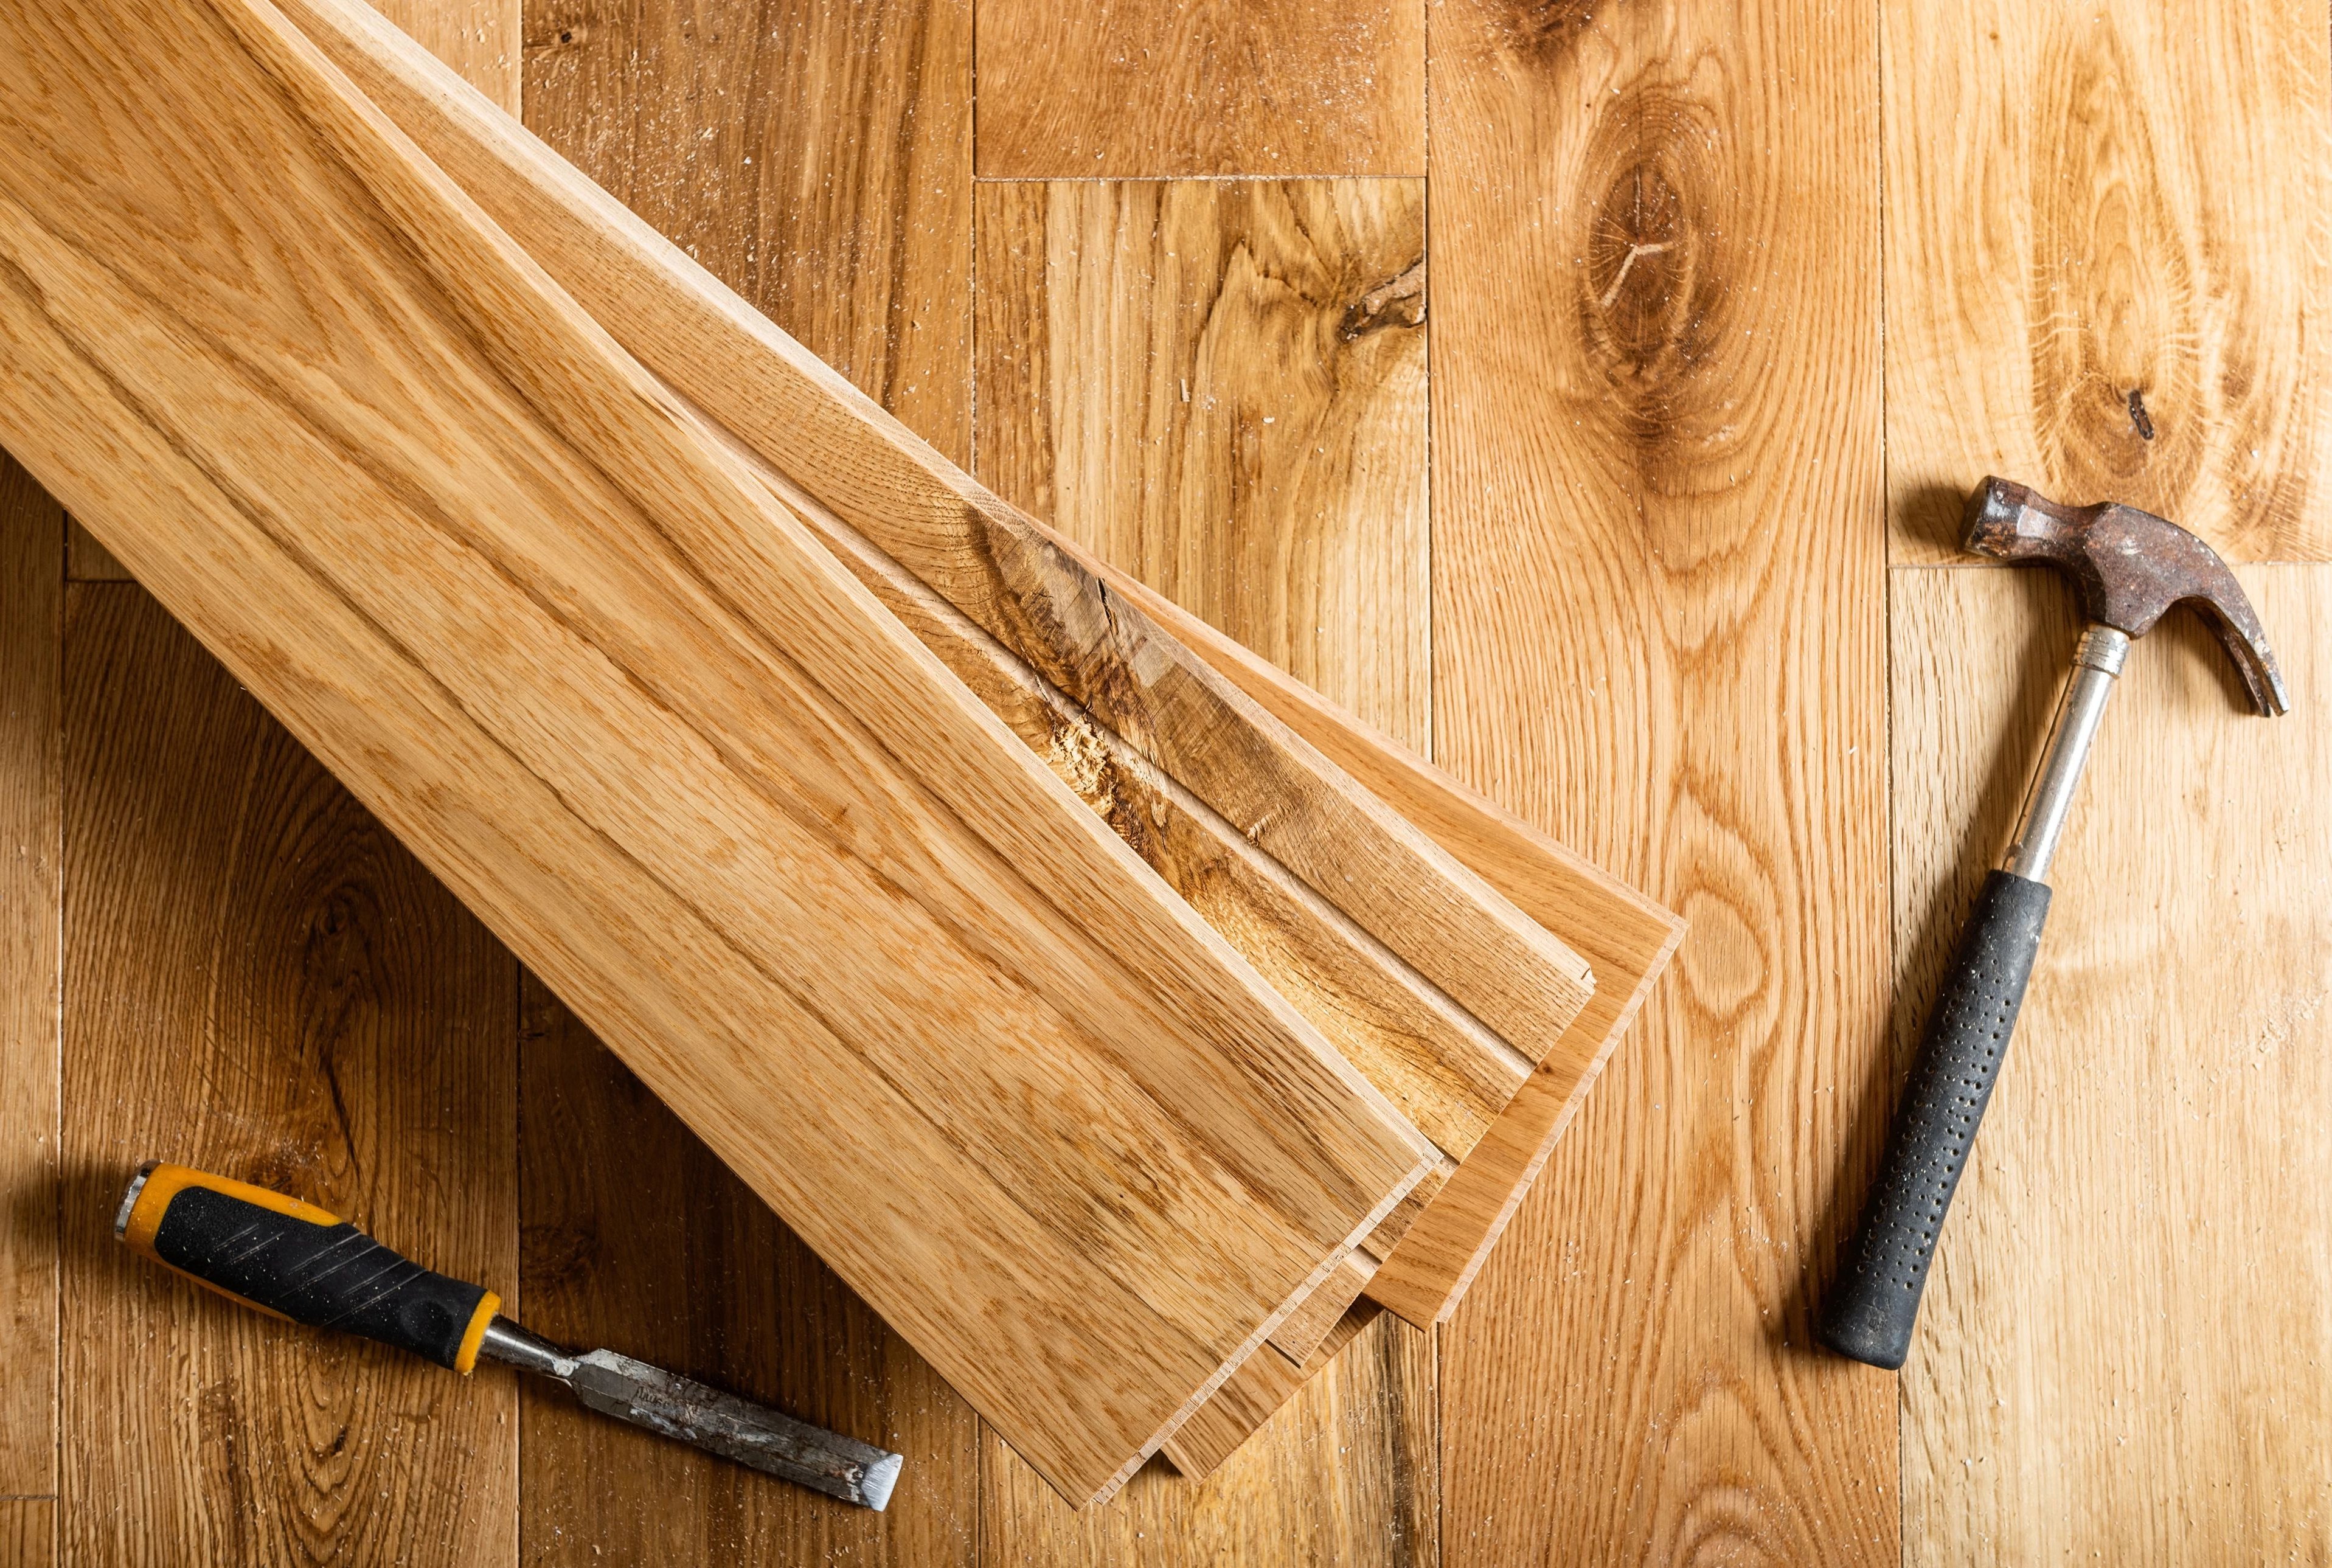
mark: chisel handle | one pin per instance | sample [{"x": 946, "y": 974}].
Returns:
[
  {"x": 1872, "y": 1308},
  {"x": 295, "y": 1261}
]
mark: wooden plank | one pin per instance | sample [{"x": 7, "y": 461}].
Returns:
[
  {"x": 1626, "y": 936},
  {"x": 552, "y": 638},
  {"x": 1347, "y": 1474},
  {"x": 1148, "y": 89},
  {"x": 641, "y": 1239},
  {"x": 28, "y": 1532},
  {"x": 1658, "y": 542},
  {"x": 2109, "y": 287},
  {"x": 481, "y": 40},
  {"x": 638, "y": 1238},
  {"x": 1219, "y": 387},
  {"x": 32, "y": 634},
  {"x": 2120, "y": 1350},
  {"x": 263, "y": 982},
  {"x": 1023, "y": 586},
  {"x": 816, "y": 158},
  {"x": 1449, "y": 1076}
]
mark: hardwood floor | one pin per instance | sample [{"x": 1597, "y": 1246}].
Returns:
[{"x": 1627, "y": 514}]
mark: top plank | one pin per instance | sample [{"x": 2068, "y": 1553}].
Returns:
[
  {"x": 619, "y": 700},
  {"x": 1017, "y": 581}
]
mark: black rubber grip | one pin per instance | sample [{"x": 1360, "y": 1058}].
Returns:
[
  {"x": 325, "y": 1276},
  {"x": 1872, "y": 1307}
]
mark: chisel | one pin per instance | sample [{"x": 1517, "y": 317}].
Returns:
[{"x": 293, "y": 1260}]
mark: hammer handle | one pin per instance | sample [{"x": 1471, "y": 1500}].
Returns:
[{"x": 1871, "y": 1308}]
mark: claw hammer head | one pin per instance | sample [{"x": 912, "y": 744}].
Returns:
[{"x": 2130, "y": 566}]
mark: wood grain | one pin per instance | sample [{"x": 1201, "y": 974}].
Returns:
[
  {"x": 1219, "y": 387},
  {"x": 639, "y": 1239},
  {"x": 1264, "y": 1383},
  {"x": 525, "y": 772},
  {"x": 1658, "y": 566},
  {"x": 261, "y": 981},
  {"x": 2120, "y": 1349},
  {"x": 816, "y": 158},
  {"x": 1247, "y": 288},
  {"x": 1023, "y": 585},
  {"x": 1150, "y": 88},
  {"x": 28, "y": 1532},
  {"x": 1449, "y": 1076},
  {"x": 32, "y": 787},
  {"x": 1625, "y": 935},
  {"x": 1346, "y": 1474},
  {"x": 482, "y": 39},
  {"x": 637, "y": 1235},
  {"x": 2111, "y": 285}
]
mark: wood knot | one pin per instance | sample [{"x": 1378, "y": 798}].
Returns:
[
  {"x": 1395, "y": 302},
  {"x": 1651, "y": 296}
]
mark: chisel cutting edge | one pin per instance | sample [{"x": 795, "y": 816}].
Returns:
[{"x": 293, "y": 1260}]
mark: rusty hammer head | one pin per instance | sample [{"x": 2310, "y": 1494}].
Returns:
[{"x": 2131, "y": 565}]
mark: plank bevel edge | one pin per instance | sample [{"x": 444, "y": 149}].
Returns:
[
  {"x": 510, "y": 595},
  {"x": 1253, "y": 1394},
  {"x": 1626, "y": 935},
  {"x": 1031, "y": 589}
]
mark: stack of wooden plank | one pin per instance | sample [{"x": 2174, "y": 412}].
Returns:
[{"x": 1109, "y": 1011}]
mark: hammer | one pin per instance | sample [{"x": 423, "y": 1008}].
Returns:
[{"x": 2130, "y": 567}]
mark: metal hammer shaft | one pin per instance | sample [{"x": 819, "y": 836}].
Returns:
[{"x": 2050, "y": 801}]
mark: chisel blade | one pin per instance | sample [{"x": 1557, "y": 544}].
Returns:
[{"x": 721, "y": 1423}]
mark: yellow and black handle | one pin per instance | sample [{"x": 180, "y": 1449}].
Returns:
[{"x": 297, "y": 1262}]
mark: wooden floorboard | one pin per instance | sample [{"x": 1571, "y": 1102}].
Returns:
[
  {"x": 32, "y": 789},
  {"x": 2109, "y": 232},
  {"x": 28, "y": 1532},
  {"x": 261, "y": 982},
  {"x": 1160, "y": 88},
  {"x": 1658, "y": 632},
  {"x": 2120, "y": 1354},
  {"x": 1218, "y": 386},
  {"x": 638, "y": 1238}
]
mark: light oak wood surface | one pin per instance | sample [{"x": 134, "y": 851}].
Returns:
[
  {"x": 1433, "y": 1060},
  {"x": 639, "y": 1237},
  {"x": 2111, "y": 284},
  {"x": 1151, "y": 89},
  {"x": 1184, "y": 1021},
  {"x": 263, "y": 982},
  {"x": 1218, "y": 386},
  {"x": 1034, "y": 592},
  {"x": 32, "y": 792},
  {"x": 2120, "y": 1352},
  {"x": 1625, "y": 935},
  {"x": 1718, "y": 1440},
  {"x": 1658, "y": 552}
]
